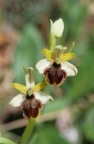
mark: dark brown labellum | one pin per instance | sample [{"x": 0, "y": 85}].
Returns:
[
  {"x": 54, "y": 74},
  {"x": 31, "y": 107}
]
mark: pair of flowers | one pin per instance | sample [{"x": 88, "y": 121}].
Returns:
[{"x": 54, "y": 68}]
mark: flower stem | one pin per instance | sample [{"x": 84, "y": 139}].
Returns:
[
  {"x": 52, "y": 41},
  {"x": 27, "y": 131}
]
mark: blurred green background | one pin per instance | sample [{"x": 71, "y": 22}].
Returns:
[{"x": 24, "y": 32}]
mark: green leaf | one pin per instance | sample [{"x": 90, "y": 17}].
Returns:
[
  {"x": 82, "y": 83},
  {"x": 88, "y": 125},
  {"x": 6, "y": 141},
  {"x": 48, "y": 134},
  {"x": 33, "y": 139},
  {"x": 56, "y": 105}
]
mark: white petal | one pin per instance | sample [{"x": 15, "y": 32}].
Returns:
[
  {"x": 70, "y": 69},
  {"x": 42, "y": 64},
  {"x": 16, "y": 101},
  {"x": 44, "y": 98},
  {"x": 29, "y": 77},
  {"x": 58, "y": 27},
  {"x": 52, "y": 26}
]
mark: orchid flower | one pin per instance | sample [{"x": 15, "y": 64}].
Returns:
[
  {"x": 30, "y": 99},
  {"x": 55, "y": 67}
]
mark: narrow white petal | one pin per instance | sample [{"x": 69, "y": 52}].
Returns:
[
  {"x": 16, "y": 101},
  {"x": 44, "y": 98},
  {"x": 52, "y": 26},
  {"x": 70, "y": 69},
  {"x": 42, "y": 64},
  {"x": 58, "y": 27},
  {"x": 29, "y": 77}
]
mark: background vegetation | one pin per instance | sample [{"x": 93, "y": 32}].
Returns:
[{"x": 24, "y": 32}]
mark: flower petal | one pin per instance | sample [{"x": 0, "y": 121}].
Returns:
[
  {"x": 16, "y": 101},
  {"x": 52, "y": 26},
  {"x": 39, "y": 86},
  {"x": 70, "y": 69},
  {"x": 29, "y": 77},
  {"x": 66, "y": 57},
  {"x": 42, "y": 64},
  {"x": 48, "y": 54},
  {"x": 19, "y": 87},
  {"x": 58, "y": 27},
  {"x": 44, "y": 98}
]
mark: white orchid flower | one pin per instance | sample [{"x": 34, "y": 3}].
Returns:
[
  {"x": 55, "y": 67},
  {"x": 31, "y": 98}
]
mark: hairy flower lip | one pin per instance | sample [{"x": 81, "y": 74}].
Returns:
[
  {"x": 55, "y": 75},
  {"x": 31, "y": 107}
]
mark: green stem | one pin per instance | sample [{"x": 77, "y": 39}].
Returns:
[
  {"x": 52, "y": 41},
  {"x": 27, "y": 131}
]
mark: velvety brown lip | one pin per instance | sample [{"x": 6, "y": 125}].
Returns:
[
  {"x": 31, "y": 107},
  {"x": 54, "y": 74}
]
